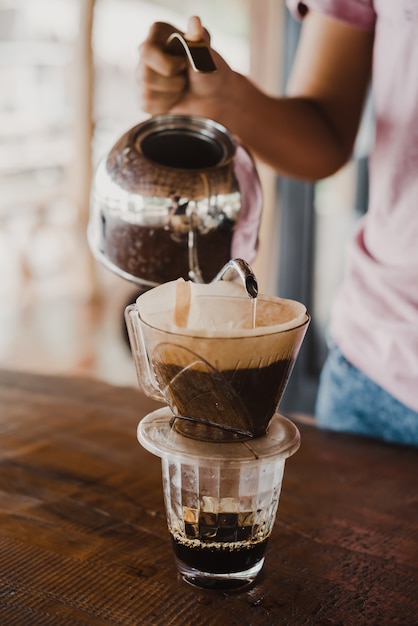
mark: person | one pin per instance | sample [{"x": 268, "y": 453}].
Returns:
[{"x": 369, "y": 383}]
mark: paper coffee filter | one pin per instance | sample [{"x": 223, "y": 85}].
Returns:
[{"x": 218, "y": 309}]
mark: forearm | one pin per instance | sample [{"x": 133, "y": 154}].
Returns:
[{"x": 292, "y": 134}]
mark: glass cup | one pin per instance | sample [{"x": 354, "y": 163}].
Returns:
[{"x": 221, "y": 499}]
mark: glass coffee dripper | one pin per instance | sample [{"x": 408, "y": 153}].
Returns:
[
  {"x": 220, "y": 360},
  {"x": 224, "y": 369}
]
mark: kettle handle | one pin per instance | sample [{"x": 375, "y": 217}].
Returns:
[
  {"x": 140, "y": 354},
  {"x": 197, "y": 52}
]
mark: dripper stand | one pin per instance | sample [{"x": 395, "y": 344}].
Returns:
[{"x": 221, "y": 499}]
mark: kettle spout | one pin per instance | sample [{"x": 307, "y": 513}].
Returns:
[{"x": 240, "y": 268}]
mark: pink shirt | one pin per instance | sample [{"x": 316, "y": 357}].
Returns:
[{"x": 375, "y": 316}]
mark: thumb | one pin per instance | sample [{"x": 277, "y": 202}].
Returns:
[{"x": 195, "y": 31}]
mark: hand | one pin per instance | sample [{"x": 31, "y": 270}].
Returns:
[{"x": 166, "y": 82}]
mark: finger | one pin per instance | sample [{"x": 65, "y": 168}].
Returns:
[
  {"x": 195, "y": 31},
  {"x": 150, "y": 80},
  {"x": 152, "y": 101},
  {"x": 160, "y": 32},
  {"x": 157, "y": 94},
  {"x": 159, "y": 61}
]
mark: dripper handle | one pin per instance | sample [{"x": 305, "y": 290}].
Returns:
[
  {"x": 139, "y": 353},
  {"x": 197, "y": 52}
]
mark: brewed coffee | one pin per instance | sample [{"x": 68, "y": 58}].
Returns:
[
  {"x": 239, "y": 400},
  {"x": 216, "y": 558}
]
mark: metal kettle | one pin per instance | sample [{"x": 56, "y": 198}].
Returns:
[{"x": 176, "y": 196}]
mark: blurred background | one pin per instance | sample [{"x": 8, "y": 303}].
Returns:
[{"x": 67, "y": 92}]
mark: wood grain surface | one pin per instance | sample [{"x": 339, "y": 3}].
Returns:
[{"x": 83, "y": 536}]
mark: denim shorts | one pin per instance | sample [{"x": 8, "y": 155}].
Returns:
[{"x": 349, "y": 401}]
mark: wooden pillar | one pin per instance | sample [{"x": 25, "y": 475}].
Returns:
[{"x": 83, "y": 89}]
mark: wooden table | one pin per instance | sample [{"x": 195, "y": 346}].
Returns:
[{"x": 83, "y": 536}]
